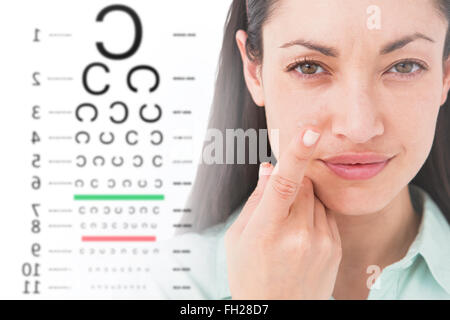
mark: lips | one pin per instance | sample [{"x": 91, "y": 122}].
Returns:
[
  {"x": 357, "y": 166},
  {"x": 355, "y": 158}
]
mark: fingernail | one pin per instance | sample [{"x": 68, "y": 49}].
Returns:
[
  {"x": 310, "y": 137},
  {"x": 264, "y": 169}
]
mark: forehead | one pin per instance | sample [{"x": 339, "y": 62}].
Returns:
[{"x": 349, "y": 24}]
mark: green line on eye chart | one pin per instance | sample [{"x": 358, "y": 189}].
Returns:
[{"x": 118, "y": 197}]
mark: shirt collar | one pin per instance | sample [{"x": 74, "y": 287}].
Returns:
[{"x": 432, "y": 242}]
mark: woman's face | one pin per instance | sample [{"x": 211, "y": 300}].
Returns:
[{"x": 357, "y": 90}]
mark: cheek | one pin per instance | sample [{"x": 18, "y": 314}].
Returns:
[
  {"x": 286, "y": 107},
  {"x": 283, "y": 126},
  {"x": 413, "y": 122}
]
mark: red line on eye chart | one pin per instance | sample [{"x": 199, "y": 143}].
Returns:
[{"x": 118, "y": 238}]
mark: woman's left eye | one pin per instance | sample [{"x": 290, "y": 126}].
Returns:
[
  {"x": 406, "y": 67},
  {"x": 309, "y": 68}
]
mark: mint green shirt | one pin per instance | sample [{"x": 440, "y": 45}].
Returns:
[{"x": 193, "y": 265}]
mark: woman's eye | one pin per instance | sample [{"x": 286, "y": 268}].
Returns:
[
  {"x": 405, "y": 67},
  {"x": 309, "y": 68}
]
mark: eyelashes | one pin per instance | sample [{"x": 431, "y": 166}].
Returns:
[{"x": 316, "y": 68}]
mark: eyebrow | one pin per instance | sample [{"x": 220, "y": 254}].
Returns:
[
  {"x": 400, "y": 43},
  {"x": 332, "y": 52},
  {"x": 328, "y": 51}
]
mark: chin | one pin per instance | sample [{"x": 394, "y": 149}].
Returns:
[
  {"x": 355, "y": 210},
  {"x": 353, "y": 200}
]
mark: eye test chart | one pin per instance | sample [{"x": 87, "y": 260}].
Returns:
[{"x": 103, "y": 112}]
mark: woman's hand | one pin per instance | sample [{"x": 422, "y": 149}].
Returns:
[{"x": 284, "y": 245}]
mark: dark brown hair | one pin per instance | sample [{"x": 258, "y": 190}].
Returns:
[
  {"x": 434, "y": 176},
  {"x": 220, "y": 188}
]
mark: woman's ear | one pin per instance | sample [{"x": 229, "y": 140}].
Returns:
[
  {"x": 446, "y": 80},
  {"x": 252, "y": 72}
]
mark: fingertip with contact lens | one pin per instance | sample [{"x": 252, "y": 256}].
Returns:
[{"x": 310, "y": 137}]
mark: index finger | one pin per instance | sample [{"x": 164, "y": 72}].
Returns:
[{"x": 289, "y": 171}]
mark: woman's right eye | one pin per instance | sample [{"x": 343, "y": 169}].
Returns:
[{"x": 306, "y": 68}]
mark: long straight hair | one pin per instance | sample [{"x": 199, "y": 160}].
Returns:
[{"x": 220, "y": 188}]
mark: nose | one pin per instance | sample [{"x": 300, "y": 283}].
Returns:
[{"x": 357, "y": 115}]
